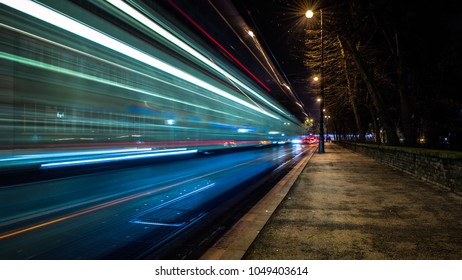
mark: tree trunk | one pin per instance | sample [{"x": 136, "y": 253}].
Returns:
[
  {"x": 351, "y": 99},
  {"x": 379, "y": 105},
  {"x": 406, "y": 119}
]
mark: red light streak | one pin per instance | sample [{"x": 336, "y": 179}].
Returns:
[{"x": 218, "y": 44}]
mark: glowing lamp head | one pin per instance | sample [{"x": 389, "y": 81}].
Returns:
[{"x": 309, "y": 14}]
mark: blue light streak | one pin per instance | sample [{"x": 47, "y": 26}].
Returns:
[{"x": 154, "y": 154}]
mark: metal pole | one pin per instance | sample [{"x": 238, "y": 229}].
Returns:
[{"x": 321, "y": 106}]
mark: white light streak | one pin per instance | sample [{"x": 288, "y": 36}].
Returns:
[
  {"x": 167, "y": 35},
  {"x": 113, "y": 159},
  {"x": 68, "y": 24},
  {"x": 69, "y": 154}
]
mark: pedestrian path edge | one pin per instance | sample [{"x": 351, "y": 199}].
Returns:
[{"x": 236, "y": 241}]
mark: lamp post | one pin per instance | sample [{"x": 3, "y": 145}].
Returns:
[{"x": 309, "y": 14}]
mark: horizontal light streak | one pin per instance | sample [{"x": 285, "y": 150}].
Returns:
[
  {"x": 164, "y": 204},
  {"x": 124, "y": 7},
  {"x": 101, "y": 80},
  {"x": 157, "y": 223},
  {"x": 54, "y": 68},
  {"x": 120, "y": 200},
  {"x": 79, "y": 153},
  {"x": 113, "y": 159},
  {"x": 82, "y": 30},
  {"x": 86, "y": 211}
]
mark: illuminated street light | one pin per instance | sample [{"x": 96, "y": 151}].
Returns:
[{"x": 310, "y": 14}]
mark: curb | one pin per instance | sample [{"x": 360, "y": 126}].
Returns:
[{"x": 236, "y": 241}]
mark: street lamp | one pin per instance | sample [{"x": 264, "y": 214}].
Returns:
[{"x": 310, "y": 14}]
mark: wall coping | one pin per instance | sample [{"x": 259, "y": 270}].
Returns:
[{"x": 445, "y": 154}]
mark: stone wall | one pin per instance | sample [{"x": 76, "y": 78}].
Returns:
[{"x": 440, "y": 167}]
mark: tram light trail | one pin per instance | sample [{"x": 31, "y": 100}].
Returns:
[
  {"x": 117, "y": 158},
  {"x": 81, "y": 82},
  {"x": 61, "y": 21}
]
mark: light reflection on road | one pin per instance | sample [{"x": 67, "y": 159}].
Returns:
[{"x": 116, "y": 214}]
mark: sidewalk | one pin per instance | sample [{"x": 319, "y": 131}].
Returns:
[{"x": 347, "y": 206}]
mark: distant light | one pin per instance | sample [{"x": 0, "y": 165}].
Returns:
[
  {"x": 243, "y": 130},
  {"x": 62, "y": 139},
  {"x": 273, "y": 132},
  {"x": 170, "y": 122},
  {"x": 316, "y": 78},
  {"x": 309, "y": 14},
  {"x": 251, "y": 34}
]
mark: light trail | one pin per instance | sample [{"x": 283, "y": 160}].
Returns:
[
  {"x": 218, "y": 44},
  {"x": 79, "y": 153},
  {"x": 96, "y": 208},
  {"x": 59, "y": 20},
  {"x": 54, "y": 68},
  {"x": 127, "y": 198},
  {"x": 228, "y": 53},
  {"x": 167, "y": 35},
  {"x": 241, "y": 39},
  {"x": 105, "y": 81},
  {"x": 113, "y": 159}
]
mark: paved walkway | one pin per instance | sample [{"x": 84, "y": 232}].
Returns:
[{"x": 343, "y": 205}]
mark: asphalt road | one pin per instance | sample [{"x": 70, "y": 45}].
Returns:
[{"x": 129, "y": 213}]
